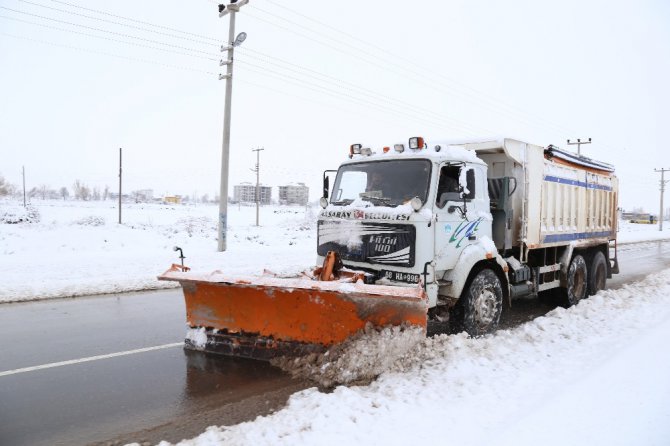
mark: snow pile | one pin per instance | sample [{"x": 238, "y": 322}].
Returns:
[
  {"x": 90, "y": 220},
  {"x": 13, "y": 214},
  {"x": 196, "y": 337},
  {"x": 592, "y": 374},
  {"x": 358, "y": 360}
]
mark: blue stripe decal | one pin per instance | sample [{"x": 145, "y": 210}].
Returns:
[
  {"x": 575, "y": 236},
  {"x": 560, "y": 180}
]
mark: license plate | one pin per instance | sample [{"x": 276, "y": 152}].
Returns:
[{"x": 399, "y": 276}]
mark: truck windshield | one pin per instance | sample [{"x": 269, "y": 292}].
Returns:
[{"x": 383, "y": 183}]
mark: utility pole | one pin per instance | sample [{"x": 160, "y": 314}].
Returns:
[
  {"x": 231, "y": 9},
  {"x": 120, "y": 179},
  {"x": 258, "y": 175},
  {"x": 579, "y": 144},
  {"x": 663, "y": 181},
  {"x": 23, "y": 172}
]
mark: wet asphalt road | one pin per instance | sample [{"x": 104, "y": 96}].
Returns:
[{"x": 161, "y": 394}]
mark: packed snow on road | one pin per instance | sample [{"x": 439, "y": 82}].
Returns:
[{"x": 596, "y": 373}]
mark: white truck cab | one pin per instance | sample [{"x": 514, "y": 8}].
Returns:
[{"x": 475, "y": 222}]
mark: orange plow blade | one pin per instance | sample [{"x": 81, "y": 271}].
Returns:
[{"x": 266, "y": 316}]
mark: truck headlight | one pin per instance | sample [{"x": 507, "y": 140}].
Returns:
[{"x": 416, "y": 203}]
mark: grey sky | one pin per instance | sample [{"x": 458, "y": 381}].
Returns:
[{"x": 375, "y": 72}]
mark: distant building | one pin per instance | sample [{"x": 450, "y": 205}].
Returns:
[
  {"x": 246, "y": 193},
  {"x": 172, "y": 199},
  {"x": 143, "y": 195},
  {"x": 294, "y": 194}
]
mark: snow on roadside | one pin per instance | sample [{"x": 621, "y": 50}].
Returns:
[
  {"x": 593, "y": 374},
  {"x": 77, "y": 248}
]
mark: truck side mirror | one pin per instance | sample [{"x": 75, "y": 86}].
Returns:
[
  {"x": 326, "y": 182},
  {"x": 326, "y": 186}
]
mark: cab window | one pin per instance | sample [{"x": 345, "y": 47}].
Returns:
[{"x": 449, "y": 185}]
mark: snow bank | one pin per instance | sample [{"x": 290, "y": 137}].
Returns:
[
  {"x": 359, "y": 360},
  {"x": 78, "y": 248},
  {"x": 592, "y": 374}
]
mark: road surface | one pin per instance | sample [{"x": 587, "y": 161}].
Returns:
[{"x": 111, "y": 370}]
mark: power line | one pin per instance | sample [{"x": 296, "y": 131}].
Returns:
[
  {"x": 473, "y": 94},
  {"x": 322, "y": 104},
  {"x": 339, "y": 94},
  {"x": 105, "y": 31},
  {"x": 376, "y": 96},
  {"x": 135, "y": 20},
  {"x": 104, "y": 38},
  {"x": 114, "y": 22},
  {"x": 109, "y": 54},
  {"x": 458, "y": 123}
]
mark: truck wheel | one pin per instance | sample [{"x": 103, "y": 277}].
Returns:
[
  {"x": 597, "y": 279},
  {"x": 577, "y": 283},
  {"x": 482, "y": 304}
]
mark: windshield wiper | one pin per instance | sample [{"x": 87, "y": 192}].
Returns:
[
  {"x": 344, "y": 202},
  {"x": 377, "y": 200}
]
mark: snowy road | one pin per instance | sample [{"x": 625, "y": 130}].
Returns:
[{"x": 158, "y": 394}]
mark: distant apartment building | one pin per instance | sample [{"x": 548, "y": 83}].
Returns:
[
  {"x": 246, "y": 193},
  {"x": 294, "y": 194}
]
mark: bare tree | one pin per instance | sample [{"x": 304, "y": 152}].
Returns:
[
  {"x": 105, "y": 193},
  {"x": 43, "y": 191},
  {"x": 64, "y": 192},
  {"x": 81, "y": 191},
  {"x": 96, "y": 194},
  {"x": 5, "y": 187}
]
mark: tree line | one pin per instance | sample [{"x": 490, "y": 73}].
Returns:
[{"x": 80, "y": 191}]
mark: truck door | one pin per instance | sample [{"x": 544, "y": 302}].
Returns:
[{"x": 459, "y": 220}]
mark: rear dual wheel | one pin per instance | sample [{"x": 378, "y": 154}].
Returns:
[
  {"x": 577, "y": 283},
  {"x": 597, "y": 279}
]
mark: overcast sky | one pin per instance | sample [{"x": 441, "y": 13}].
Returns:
[{"x": 314, "y": 77}]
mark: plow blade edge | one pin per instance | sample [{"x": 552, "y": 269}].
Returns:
[{"x": 263, "y": 317}]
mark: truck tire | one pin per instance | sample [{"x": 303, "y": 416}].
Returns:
[
  {"x": 577, "y": 283},
  {"x": 482, "y": 304},
  {"x": 597, "y": 279}
]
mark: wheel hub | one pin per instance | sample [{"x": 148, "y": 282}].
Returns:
[{"x": 485, "y": 308}]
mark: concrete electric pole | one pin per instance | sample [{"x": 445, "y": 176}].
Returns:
[
  {"x": 579, "y": 144},
  {"x": 23, "y": 173},
  {"x": 258, "y": 176},
  {"x": 230, "y": 9},
  {"x": 120, "y": 181},
  {"x": 663, "y": 181}
]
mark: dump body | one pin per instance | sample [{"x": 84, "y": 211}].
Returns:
[{"x": 558, "y": 199}]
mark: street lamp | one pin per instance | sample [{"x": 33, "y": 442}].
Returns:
[{"x": 231, "y": 9}]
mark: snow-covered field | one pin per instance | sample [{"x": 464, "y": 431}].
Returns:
[
  {"x": 78, "y": 248},
  {"x": 594, "y": 374}
]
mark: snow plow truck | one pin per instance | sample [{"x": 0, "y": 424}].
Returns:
[{"x": 430, "y": 236}]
